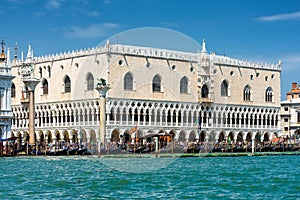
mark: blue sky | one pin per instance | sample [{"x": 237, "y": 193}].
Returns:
[{"x": 257, "y": 30}]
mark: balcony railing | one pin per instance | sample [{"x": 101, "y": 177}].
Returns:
[
  {"x": 5, "y": 113},
  {"x": 205, "y": 100},
  {"x": 24, "y": 100}
]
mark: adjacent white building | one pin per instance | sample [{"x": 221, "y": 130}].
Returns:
[
  {"x": 6, "y": 114},
  {"x": 290, "y": 112}
]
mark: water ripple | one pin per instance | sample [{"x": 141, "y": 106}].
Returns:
[{"x": 274, "y": 177}]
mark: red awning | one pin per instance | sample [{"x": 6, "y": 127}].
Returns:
[{"x": 276, "y": 140}]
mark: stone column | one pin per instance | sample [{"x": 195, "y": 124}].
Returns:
[
  {"x": 31, "y": 84},
  {"x": 2, "y": 99},
  {"x": 4, "y": 102},
  {"x": 102, "y": 89},
  {"x": 252, "y": 148}
]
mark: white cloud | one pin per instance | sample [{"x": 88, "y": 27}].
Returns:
[
  {"x": 283, "y": 16},
  {"x": 291, "y": 62},
  {"x": 53, "y": 4},
  {"x": 93, "y": 14},
  {"x": 94, "y": 30},
  {"x": 107, "y": 1},
  {"x": 294, "y": 59}
]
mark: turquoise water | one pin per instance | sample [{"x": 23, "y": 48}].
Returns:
[{"x": 270, "y": 177}]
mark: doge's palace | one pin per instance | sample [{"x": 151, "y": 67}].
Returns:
[{"x": 195, "y": 96}]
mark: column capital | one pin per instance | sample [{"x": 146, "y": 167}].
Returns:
[
  {"x": 102, "y": 89},
  {"x": 31, "y": 83}
]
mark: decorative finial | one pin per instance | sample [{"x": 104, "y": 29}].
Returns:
[
  {"x": 8, "y": 57},
  {"x": 203, "y": 46},
  {"x": 16, "y": 51},
  {"x": 29, "y": 55},
  {"x": 107, "y": 43},
  {"x": 2, "y": 56},
  {"x": 2, "y": 44}
]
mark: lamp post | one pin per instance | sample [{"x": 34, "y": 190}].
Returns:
[{"x": 102, "y": 88}]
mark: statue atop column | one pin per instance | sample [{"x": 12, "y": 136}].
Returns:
[
  {"x": 101, "y": 82},
  {"x": 27, "y": 68},
  {"x": 203, "y": 46}
]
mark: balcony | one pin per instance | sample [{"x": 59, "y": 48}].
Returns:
[
  {"x": 205, "y": 100},
  {"x": 5, "y": 114},
  {"x": 25, "y": 101}
]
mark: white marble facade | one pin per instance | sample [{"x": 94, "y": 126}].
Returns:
[{"x": 152, "y": 89}]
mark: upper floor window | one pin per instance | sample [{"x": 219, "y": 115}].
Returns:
[
  {"x": 269, "y": 95},
  {"x": 184, "y": 85},
  {"x": 49, "y": 71},
  {"x": 224, "y": 88},
  {"x": 25, "y": 93},
  {"x": 13, "y": 90},
  {"x": 45, "y": 86},
  {"x": 41, "y": 72},
  {"x": 128, "y": 82},
  {"x": 156, "y": 84},
  {"x": 204, "y": 91},
  {"x": 90, "y": 82},
  {"x": 247, "y": 93},
  {"x": 67, "y": 83}
]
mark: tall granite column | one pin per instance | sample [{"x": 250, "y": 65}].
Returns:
[
  {"x": 102, "y": 88},
  {"x": 31, "y": 84}
]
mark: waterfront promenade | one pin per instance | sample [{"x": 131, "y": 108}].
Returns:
[{"x": 185, "y": 155}]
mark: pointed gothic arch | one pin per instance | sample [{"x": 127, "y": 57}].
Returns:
[
  {"x": 13, "y": 90},
  {"x": 204, "y": 91},
  {"x": 128, "y": 81},
  {"x": 269, "y": 94},
  {"x": 90, "y": 81},
  {"x": 156, "y": 83},
  {"x": 67, "y": 84},
  {"x": 184, "y": 83},
  {"x": 225, "y": 88},
  {"x": 45, "y": 86},
  {"x": 247, "y": 93}
]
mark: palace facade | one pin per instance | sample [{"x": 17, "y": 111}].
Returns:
[{"x": 195, "y": 96}]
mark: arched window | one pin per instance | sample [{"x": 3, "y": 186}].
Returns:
[
  {"x": 45, "y": 86},
  {"x": 224, "y": 89},
  {"x": 204, "y": 91},
  {"x": 128, "y": 82},
  {"x": 13, "y": 90},
  {"x": 184, "y": 85},
  {"x": 269, "y": 95},
  {"x": 90, "y": 82},
  {"x": 41, "y": 72},
  {"x": 49, "y": 71},
  {"x": 25, "y": 93},
  {"x": 67, "y": 83},
  {"x": 156, "y": 84},
  {"x": 247, "y": 93}
]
